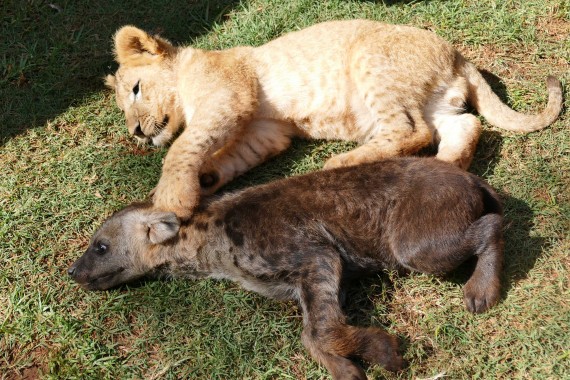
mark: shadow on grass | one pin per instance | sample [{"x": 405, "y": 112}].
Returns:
[{"x": 56, "y": 54}]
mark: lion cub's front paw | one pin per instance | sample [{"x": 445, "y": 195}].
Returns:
[
  {"x": 210, "y": 182},
  {"x": 340, "y": 160},
  {"x": 179, "y": 198},
  {"x": 151, "y": 193}
]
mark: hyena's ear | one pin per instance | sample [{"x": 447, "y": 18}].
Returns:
[
  {"x": 162, "y": 226},
  {"x": 110, "y": 81},
  {"x": 134, "y": 47}
]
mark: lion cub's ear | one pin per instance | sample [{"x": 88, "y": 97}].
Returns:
[
  {"x": 134, "y": 47},
  {"x": 110, "y": 81}
]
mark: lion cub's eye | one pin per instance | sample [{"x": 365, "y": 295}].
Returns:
[{"x": 136, "y": 89}]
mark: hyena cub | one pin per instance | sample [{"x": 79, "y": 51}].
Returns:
[{"x": 301, "y": 237}]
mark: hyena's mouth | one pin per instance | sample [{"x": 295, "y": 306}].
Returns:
[{"x": 103, "y": 281}]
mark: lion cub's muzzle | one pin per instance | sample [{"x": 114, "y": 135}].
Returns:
[
  {"x": 137, "y": 132},
  {"x": 158, "y": 134}
]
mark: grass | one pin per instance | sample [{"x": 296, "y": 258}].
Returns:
[{"x": 67, "y": 163}]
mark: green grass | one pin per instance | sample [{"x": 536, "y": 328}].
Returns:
[{"x": 67, "y": 163}]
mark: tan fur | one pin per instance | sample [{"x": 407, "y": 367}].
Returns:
[{"x": 393, "y": 89}]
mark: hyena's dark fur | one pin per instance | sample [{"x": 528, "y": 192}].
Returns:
[{"x": 299, "y": 237}]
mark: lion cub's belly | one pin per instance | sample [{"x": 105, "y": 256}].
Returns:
[
  {"x": 318, "y": 115},
  {"x": 302, "y": 83}
]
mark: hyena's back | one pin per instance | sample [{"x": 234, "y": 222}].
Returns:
[{"x": 369, "y": 219}]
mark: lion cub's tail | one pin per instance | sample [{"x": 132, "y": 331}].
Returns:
[{"x": 488, "y": 104}]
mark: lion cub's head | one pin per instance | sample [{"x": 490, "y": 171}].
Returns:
[{"x": 145, "y": 85}]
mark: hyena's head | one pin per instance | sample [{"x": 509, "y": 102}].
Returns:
[
  {"x": 145, "y": 85},
  {"x": 125, "y": 248}
]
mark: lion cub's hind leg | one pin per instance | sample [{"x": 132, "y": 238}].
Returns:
[
  {"x": 458, "y": 137},
  {"x": 457, "y": 132},
  {"x": 396, "y": 133},
  {"x": 261, "y": 140}
]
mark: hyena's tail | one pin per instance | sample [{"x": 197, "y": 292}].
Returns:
[{"x": 488, "y": 104}]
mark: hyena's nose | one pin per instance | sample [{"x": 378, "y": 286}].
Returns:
[
  {"x": 138, "y": 131},
  {"x": 71, "y": 270}
]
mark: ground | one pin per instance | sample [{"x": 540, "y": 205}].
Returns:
[{"x": 67, "y": 163}]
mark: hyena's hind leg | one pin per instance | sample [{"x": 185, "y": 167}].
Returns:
[
  {"x": 397, "y": 133},
  {"x": 483, "y": 289},
  {"x": 327, "y": 336},
  {"x": 261, "y": 140},
  {"x": 482, "y": 239}
]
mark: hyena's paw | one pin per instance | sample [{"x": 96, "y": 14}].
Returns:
[
  {"x": 480, "y": 294},
  {"x": 343, "y": 368},
  {"x": 383, "y": 349}
]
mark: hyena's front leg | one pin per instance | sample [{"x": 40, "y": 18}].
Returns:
[
  {"x": 260, "y": 140},
  {"x": 326, "y": 335}
]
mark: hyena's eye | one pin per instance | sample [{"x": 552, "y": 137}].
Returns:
[
  {"x": 136, "y": 88},
  {"x": 101, "y": 248}
]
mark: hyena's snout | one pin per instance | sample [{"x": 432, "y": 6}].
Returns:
[
  {"x": 81, "y": 271},
  {"x": 75, "y": 272},
  {"x": 71, "y": 270}
]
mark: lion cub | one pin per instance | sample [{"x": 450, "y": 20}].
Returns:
[{"x": 393, "y": 89}]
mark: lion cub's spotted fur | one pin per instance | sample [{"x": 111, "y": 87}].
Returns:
[{"x": 393, "y": 89}]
